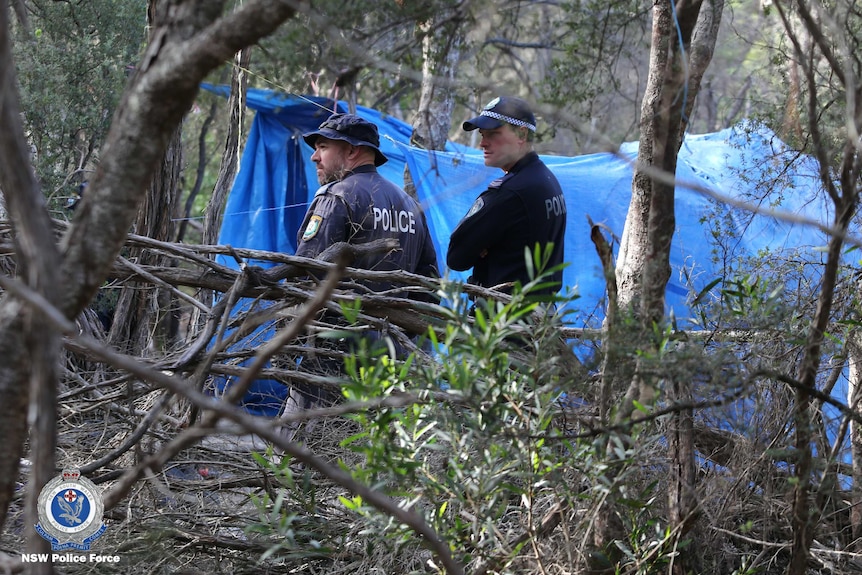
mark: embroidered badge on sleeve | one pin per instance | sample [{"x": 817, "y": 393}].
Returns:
[
  {"x": 477, "y": 205},
  {"x": 312, "y": 228}
]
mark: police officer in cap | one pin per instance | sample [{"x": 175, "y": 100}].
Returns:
[
  {"x": 355, "y": 204},
  {"x": 523, "y": 208}
]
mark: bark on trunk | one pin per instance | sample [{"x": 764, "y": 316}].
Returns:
[
  {"x": 803, "y": 528},
  {"x": 683, "y": 41},
  {"x": 231, "y": 154},
  {"x": 229, "y": 166},
  {"x": 682, "y": 500},
  {"x": 30, "y": 351},
  {"x": 845, "y": 196},
  {"x": 643, "y": 268},
  {"x": 854, "y": 397},
  {"x": 142, "y": 320},
  {"x": 141, "y": 317},
  {"x": 181, "y": 54},
  {"x": 441, "y": 51}
]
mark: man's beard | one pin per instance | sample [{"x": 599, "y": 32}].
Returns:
[{"x": 334, "y": 175}]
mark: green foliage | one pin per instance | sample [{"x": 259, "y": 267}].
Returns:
[
  {"x": 381, "y": 44},
  {"x": 745, "y": 568},
  {"x": 595, "y": 35},
  {"x": 603, "y": 49},
  {"x": 754, "y": 299},
  {"x": 71, "y": 73},
  {"x": 479, "y": 452},
  {"x": 468, "y": 455},
  {"x": 286, "y": 516},
  {"x": 486, "y": 447},
  {"x": 599, "y": 74},
  {"x": 485, "y": 450},
  {"x": 651, "y": 544}
]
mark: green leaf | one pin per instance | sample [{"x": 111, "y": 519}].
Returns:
[{"x": 705, "y": 291}]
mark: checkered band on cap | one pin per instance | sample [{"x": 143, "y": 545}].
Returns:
[
  {"x": 503, "y": 110},
  {"x": 508, "y": 119}
]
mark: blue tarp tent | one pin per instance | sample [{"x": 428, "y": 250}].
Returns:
[{"x": 276, "y": 182}]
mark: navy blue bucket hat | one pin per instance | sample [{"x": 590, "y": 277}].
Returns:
[
  {"x": 352, "y": 129},
  {"x": 502, "y": 110}
]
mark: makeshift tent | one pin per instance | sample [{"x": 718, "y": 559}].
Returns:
[{"x": 276, "y": 182}]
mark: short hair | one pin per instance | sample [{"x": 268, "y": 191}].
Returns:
[{"x": 530, "y": 134}]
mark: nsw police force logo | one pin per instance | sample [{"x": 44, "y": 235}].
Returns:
[{"x": 70, "y": 512}]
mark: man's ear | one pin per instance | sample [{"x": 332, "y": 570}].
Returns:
[{"x": 353, "y": 152}]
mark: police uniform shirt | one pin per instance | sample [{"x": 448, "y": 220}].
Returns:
[
  {"x": 363, "y": 207},
  {"x": 523, "y": 208}
]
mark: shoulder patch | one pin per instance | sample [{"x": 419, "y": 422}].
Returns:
[
  {"x": 323, "y": 189},
  {"x": 477, "y": 205},
  {"x": 496, "y": 183},
  {"x": 312, "y": 228}
]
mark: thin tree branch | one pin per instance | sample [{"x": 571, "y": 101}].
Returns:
[{"x": 218, "y": 409}]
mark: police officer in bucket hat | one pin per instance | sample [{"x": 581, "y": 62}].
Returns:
[
  {"x": 355, "y": 204},
  {"x": 523, "y": 208},
  {"x": 352, "y": 129}
]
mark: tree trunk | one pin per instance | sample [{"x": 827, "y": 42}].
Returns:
[
  {"x": 441, "y": 56},
  {"x": 195, "y": 41},
  {"x": 229, "y": 166},
  {"x": 854, "y": 401},
  {"x": 30, "y": 351},
  {"x": 231, "y": 154},
  {"x": 643, "y": 269},
  {"x": 141, "y": 322},
  {"x": 844, "y": 193},
  {"x": 802, "y": 518},
  {"x": 681, "y": 495}
]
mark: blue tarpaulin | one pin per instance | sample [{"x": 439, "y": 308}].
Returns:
[{"x": 277, "y": 181}]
